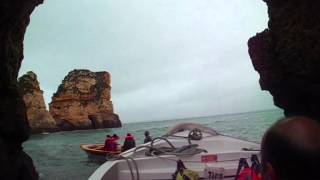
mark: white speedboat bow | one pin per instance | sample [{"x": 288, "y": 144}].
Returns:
[{"x": 201, "y": 149}]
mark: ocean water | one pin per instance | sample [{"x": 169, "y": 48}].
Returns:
[{"x": 58, "y": 155}]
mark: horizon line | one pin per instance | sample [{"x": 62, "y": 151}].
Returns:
[{"x": 205, "y": 116}]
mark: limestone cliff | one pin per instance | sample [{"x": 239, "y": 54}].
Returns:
[
  {"x": 14, "y": 129},
  {"x": 39, "y": 118},
  {"x": 82, "y": 101},
  {"x": 287, "y": 56}
]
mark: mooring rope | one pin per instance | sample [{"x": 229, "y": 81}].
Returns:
[{"x": 187, "y": 150}]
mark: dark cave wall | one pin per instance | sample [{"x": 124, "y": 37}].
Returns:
[
  {"x": 287, "y": 56},
  {"x": 14, "y": 130}
]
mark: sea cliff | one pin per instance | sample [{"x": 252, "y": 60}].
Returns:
[
  {"x": 287, "y": 53},
  {"x": 14, "y": 128}
]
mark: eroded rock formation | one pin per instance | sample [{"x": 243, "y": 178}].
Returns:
[
  {"x": 287, "y": 56},
  {"x": 14, "y": 129},
  {"x": 82, "y": 101},
  {"x": 40, "y": 120}
]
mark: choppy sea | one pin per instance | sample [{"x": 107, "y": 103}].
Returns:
[{"x": 57, "y": 156}]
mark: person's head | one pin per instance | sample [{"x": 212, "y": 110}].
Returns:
[
  {"x": 146, "y": 133},
  {"x": 115, "y": 135},
  {"x": 108, "y": 136},
  {"x": 291, "y": 150},
  {"x": 128, "y": 134}
]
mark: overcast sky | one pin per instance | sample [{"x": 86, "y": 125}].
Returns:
[{"x": 168, "y": 58}]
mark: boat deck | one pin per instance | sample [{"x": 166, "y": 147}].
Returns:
[{"x": 223, "y": 154}]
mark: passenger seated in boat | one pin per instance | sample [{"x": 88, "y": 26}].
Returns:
[
  {"x": 291, "y": 149},
  {"x": 114, "y": 142},
  {"x": 147, "y": 137},
  {"x": 115, "y": 136},
  {"x": 107, "y": 143},
  {"x": 129, "y": 142}
]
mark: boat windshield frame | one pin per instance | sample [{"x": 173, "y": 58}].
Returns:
[{"x": 191, "y": 126}]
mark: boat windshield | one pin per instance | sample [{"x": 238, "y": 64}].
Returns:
[{"x": 189, "y": 127}]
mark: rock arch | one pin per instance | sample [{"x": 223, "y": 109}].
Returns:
[{"x": 286, "y": 56}]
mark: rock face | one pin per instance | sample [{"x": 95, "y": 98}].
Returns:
[
  {"x": 287, "y": 56},
  {"x": 40, "y": 120},
  {"x": 82, "y": 101},
  {"x": 14, "y": 129}
]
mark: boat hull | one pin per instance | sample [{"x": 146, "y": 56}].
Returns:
[
  {"x": 97, "y": 151},
  {"x": 222, "y": 157}
]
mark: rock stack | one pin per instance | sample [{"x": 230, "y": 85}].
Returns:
[
  {"x": 82, "y": 101},
  {"x": 38, "y": 117}
]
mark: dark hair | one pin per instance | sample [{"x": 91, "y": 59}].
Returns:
[
  {"x": 114, "y": 135},
  {"x": 290, "y": 157},
  {"x": 128, "y": 134},
  {"x": 146, "y": 133},
  {"x": 108, "y": 135}
]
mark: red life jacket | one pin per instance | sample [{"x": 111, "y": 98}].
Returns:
[
  {"x": 129, "y": 138},
  {"x": 113, "y": 144},
  {"x": 116, "y": 138},
  {"x": 248, "y": 174},
  {"x": 107, "y": 144}
]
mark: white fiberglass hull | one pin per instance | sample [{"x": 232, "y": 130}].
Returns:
[{"x": 223, "y": 157}]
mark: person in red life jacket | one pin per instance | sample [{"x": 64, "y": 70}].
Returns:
[
  {"x": 107, "y": 143},
  {"x": 129, "y": 142},
  {"x": 115, "y": 136},
  {"x": 114, "y": 142},
  {"x": 291, "y": 150},
  {"x": 245, "y": 172}
]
